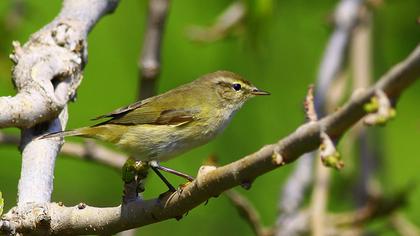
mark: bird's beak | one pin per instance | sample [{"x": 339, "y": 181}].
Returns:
[{"x": 256, "y": 91}]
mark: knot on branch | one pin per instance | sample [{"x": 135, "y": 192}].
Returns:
[
  {"x": 46, "y": 74},
  {"x": 33, "y": 217},
  {"x": 7, "y": 227},
  {"x": 277, "y": 158},
  {"x": 204, "y": 169},
  {"x": 62, "y": 35},
  {"x": 17, "y": 52},
  {"x": 81, "y": 205}
]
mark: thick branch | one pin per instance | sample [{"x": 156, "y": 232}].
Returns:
[
  {"x": 38, "y": 162},
  {"x": 48, "y": 67},
  {"x": 47, "y": 73},
  {"x": 92, "y": 220}
]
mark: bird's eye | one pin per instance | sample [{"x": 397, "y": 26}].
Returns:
[{"x": 237, "y": 87}]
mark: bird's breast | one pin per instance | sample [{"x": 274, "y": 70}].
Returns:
[{"x": 162, "y": 142}]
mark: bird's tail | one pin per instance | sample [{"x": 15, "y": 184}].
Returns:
[{"x": 60, "y": 134}]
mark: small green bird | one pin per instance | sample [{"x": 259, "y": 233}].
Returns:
[{"x": 161, "y": 127}]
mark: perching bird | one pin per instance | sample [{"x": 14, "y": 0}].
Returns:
[{"x": 161, "y": 127}]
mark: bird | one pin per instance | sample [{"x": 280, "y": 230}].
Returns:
[{"x": 161, "y": 127}]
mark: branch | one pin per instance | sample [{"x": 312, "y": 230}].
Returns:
[
  {"x": 48, "y": 67},
  {"x": 88, "y": 151},
  {"x": 319, "y": 200},
  {"x": 403, "y": 226},
  {"x": 293, "y": 194},
  {"x": 47, "y": 72},
  {"x": 366, "y": 140},
  {"x": 9, "y": 139},
  {"x": 345, "y": 16},
  {"x": 225, "y": 23},
  {"x": 376, "y": 207},
  {"x": 93, "y": 220},
  {"x": 149, "y": 62},
  {"x": 248, "y": 212},
  {"x": 149, "y": 70}
]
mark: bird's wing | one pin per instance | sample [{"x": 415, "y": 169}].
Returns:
[
  {"x": 122, "y": 110},
  {"x": 144, "y": 113}
]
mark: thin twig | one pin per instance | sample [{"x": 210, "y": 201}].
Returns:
[
  {"x": 361, "y": 61},
  {"x": 292, "y": 196},
  {"x": 403, "y": 226},
  {"x": 248, "y": 212},
  {"x": 331, "y": 65},
  {"x": 15, "y": 16},
  {"x": 149, "y": 61},
  {"x": 376, "y": 206},
  {"x": 319, "y": 199},
  {"x": 228, "y": 20},
  {"x": 296, "y": 184},
  {"x": 88, "y": 151},
  {"x": 345, "y": 17},
  {"x": 9, "y": 139},
  {"x": 329, "y": 157}
]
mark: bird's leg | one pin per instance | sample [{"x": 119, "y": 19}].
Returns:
[
  {"x": 155, "y": 164},
  {"x": 171, "y": 188}
]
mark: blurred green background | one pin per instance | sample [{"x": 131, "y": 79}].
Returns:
[{"x": 280, "y": 51}]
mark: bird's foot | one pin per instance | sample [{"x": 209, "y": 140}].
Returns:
[
  {"x": 133, "y": 169},
  {"x": 133, "y": 174}
]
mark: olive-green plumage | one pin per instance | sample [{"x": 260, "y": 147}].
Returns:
[{"x": 163, "y": 126}]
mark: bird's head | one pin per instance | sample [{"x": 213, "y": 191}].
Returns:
[{"x": 231, "y": 89}]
